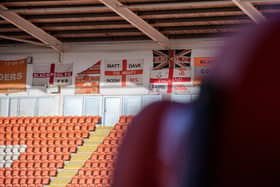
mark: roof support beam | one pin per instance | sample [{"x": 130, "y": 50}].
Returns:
[
  {"x": 21, "y": 40},
  {"x": 137, "y": 22},
  {"x": 250, "y": 10},
  {"x": 31, "y": 29},
  {"x": 150, "y": 6}
]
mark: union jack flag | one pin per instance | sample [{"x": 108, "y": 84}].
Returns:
[
  {"x": 171, "y": 68},
  {"x": 163, "y": 58}
]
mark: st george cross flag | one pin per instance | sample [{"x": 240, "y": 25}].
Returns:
[
  {"x": 52, "y": 74},
  {"x": 122, "y": 73},
  {"x": 87, "y": 81},
  {"x": 171, "y": 71}
]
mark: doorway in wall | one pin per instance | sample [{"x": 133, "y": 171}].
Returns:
[{"x": 112, "y": 110}]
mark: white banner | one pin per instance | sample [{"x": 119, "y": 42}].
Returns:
[
  {"x": 52, "y": 74},
  {"x": 122, "y": 73}
]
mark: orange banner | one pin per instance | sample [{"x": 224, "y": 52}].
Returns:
[
  {"x": 202, "y": 67},
  {"x": 87, "y": 81},
  {"x": 87, "y": 84},
  {"x": 13, "y": 75}
]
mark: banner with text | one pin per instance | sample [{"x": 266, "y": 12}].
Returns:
[
  {"x": 87, "y": 82},
  {"x": 52, "y": 74},
  {"x": 13, "y": 75},
  {"x": 171, "y": 71},
  {"x": 202, "y": 66},
  {"x": 122, "y": 73}
]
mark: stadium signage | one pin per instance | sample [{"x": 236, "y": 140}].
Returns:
[
  {"x": 202, "y": 66},
  {"x": 52, "y": 74},
  {"x": 171, "y": 71},
  {"x": 87, "y": 81},
  {"x": 123, "y": 73},
  {"x": 13, "y": 75}
]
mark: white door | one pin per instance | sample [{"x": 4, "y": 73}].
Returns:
[{"x": 112, "y": 110}]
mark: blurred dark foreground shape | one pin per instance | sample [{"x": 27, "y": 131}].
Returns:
[{"x": 230, "y": 137}]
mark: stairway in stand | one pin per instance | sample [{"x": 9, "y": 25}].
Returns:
[{"x": 77, "y": 160}]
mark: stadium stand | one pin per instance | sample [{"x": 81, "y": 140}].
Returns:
[
  {"x": 97, "y": 171},
  {"x": 32, "y": 149}
]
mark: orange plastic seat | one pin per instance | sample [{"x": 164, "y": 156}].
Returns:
[
  {"x": 91, "y": 126},
  {"x": 15, "y": 180},
  {"x": 74, "y": 180},
  {"x": 38, "y": 181},
  {"x": 30, "y": 180},
  {"x": 23, "y": 180},
  {"x": 97, "y": 180},
  {"x": 122, "y": 119},
  {"x": 30, "y": 172},
  {"x": 45, "y": 180},
  {"x": 45, "y": 164},
  {"x": 43, "y": 127},
  {"x": 44, "y": 172},
  {"x": 22, "y": 164},
  {"x": 82, "y": 180},
  {"x": 78, "y": 141},
  {"x": 8, "y": 180},
  {"x": 2, "y": 180}
]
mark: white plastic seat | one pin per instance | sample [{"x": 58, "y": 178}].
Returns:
[
  {"x": 16, "y": 148},
  {"x": 8, "y": 163},
  {"x": 2, "y": 163},
  {"x": 9, "y": 149},
  {"x": 22, "y": 148},
  {"x": 8, "y": 156},
  {"x": 15, "y": 156},
  {"x": 2, "y": 148},
  {"x": 2, "y": 155}
]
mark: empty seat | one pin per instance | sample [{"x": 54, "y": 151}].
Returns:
[
  {"x": 97, "y": 171},
  {"x": 33, "y": 148}
]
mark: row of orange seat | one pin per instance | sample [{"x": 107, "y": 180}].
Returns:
[
  {"x": 44, "y": 141},
  {"x": 30, "y": 141},
  {"x": 91, "y": 180},
  {"x": 96, "y": 172},
  {"x": 52, "y": 149},
  {"x": 98, "y": 164},
  {"x": 24, "y": 180},
  {"x": 22, "y": 185},
  {"x": 45, "y": 134},
  {"x": 45, "y": 156},
  {"x": 38, "y": 164},
  {"x": 102, "y": 156},
  {"x": 46, "y": 127},
  {"x": 50, "y": 119},
  {"x": 51, "y": 171},
  {"x": 125, "y": 119}
]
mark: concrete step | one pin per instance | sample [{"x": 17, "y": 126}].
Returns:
[{"x": 78, "y": 159}]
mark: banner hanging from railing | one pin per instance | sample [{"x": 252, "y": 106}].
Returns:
[
  {"x": 171, "y": 71},
  {"x": 13, "y": 75},
  {"x": 202, "y": 67},
  {"x": 87, "y": 82},
  {"x": 52, "y": 74},
  {"x": 122, "y": 73}
]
